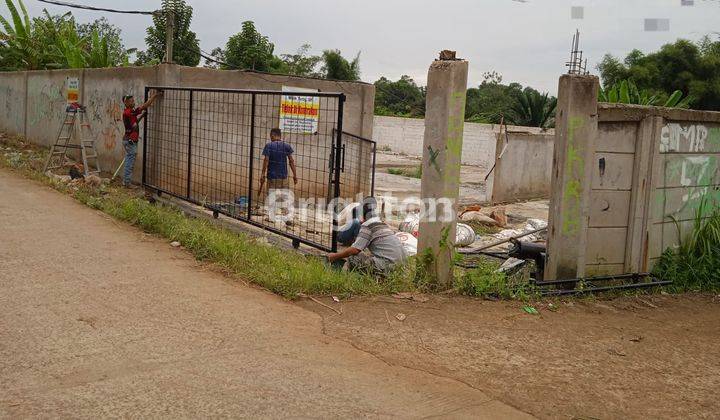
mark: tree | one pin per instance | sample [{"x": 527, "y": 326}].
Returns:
[
  {"x": 533, "y": 109},
  {"x": 218, "y": 58},
  {"x": 249, "y": 50},
  {"x": 492, "y": 100},
  {"x": 692, "y": 68},
  {"x": 626, "y": 92},
  {"x": 107, "y": 33},
  {"x": 302, "y": 63},
  {"x": 20, "y": 49},
  {"x": 336, "y": 67},
  {"x": 403, "y": 98},
  {"x": 186, "y": 46},
  {"x": 53, "y": 42}
]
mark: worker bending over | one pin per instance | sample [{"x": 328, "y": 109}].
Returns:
[{"x": 376, "y": 249}]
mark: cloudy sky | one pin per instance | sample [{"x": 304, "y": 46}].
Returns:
[{"x": 526, "y": 41}]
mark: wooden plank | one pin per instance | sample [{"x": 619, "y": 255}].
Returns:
[
  {"x": 606, "y": 246},
  {"x": 609, "y": 208},
  {"x": 612, "y": 171},
  {"x": 636, "y": 247},
  {"x": 617, "y": 137}
]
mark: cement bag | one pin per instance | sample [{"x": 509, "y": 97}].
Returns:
[
  {"x": 411, "y": 224},
  {"x": 465, "y": 235},
  {"x": 409, "y": 243}
]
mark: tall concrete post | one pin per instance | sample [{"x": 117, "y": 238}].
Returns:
[
  {"x": 169, "y": 36},
  {"x": 576, "y": 123},
  {"x": 442, "y": 149}
]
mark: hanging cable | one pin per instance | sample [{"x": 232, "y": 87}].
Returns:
[{"x": 100, "y": 9}]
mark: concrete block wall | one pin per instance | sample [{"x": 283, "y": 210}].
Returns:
[
  {"x": 625, "y": 177},
  {"x": 523, "y": 170},
  {"x": 405, "y": 135},
  {"x": 34, "y": 103}
]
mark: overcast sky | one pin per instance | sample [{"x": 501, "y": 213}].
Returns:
[{"x": 527, "y": 42}]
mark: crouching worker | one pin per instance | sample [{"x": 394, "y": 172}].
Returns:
[{"x": 376, "y": 249}]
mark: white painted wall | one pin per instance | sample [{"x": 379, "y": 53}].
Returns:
[{"x": 405, "y": 135}]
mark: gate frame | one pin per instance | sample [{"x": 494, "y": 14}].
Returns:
[{"x": 335, "y": 159}]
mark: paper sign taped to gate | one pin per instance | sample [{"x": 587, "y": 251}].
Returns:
[
  {"x": 299, "y": 114},
  {"x": 73, "y": 90}
]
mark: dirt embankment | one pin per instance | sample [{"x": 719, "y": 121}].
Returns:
[{"x": 654, "y": 356}]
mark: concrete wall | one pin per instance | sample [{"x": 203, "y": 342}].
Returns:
[
  {"x": 523, "y": 170},
  {"x": 405, "y": 135},
  {"x": 34, "y": 105},
  {"x": 13, "y": 103},
  {"x": 632, "y": 175}
]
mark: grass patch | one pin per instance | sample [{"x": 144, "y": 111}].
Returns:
[
  {"x": 485, "y": 281},
  {"x": 695, "y": 264},
  {"x": 415, "y": 172},
  {"x": 282, "y": 272},
  {"x": 242, "y": 256}
]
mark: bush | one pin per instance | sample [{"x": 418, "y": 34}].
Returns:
[{"x": 695, "y": 264}]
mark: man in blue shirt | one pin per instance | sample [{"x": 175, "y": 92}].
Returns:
[{"x": 278, "y": 155}]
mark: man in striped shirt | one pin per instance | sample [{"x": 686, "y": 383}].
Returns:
[{"x": 384, "y": 249}]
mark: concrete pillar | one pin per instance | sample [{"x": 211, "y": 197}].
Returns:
[
  {"x": 442, "y": 149},
  {"x": 576, "y": 125}
]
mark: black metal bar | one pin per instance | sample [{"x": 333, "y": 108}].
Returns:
[
  {"x": 269, "y": 92},
  {"x": 161, "y": 191},
  {"x": 374, "y": 162},
  {"x": 336, "y": 194},
  {"x": 190, "y": 128},
  {"x": 591, "y": 279},
  {"x": 252, "y": 158},
  {"x": 342, "y": 164},
  {"x": 217, "y": 156},
  {"x": 604, "y": 288},
  {"x": 145, "y": 140}
]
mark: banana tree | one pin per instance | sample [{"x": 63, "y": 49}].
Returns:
[
  {"x": 20, "y": 50},
  {"x": 627, "y": 92}
]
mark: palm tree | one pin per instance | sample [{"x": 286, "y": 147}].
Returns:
[{"x": 533, "y": 109}]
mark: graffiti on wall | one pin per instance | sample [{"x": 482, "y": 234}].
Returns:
[
  {"x": 12, "y": 100},
  {"x": 105, "y": 112},
  {"x": 46, "y": 102},
  {"x": 691, "y": 164},
  {"x": 575, "y": 169}
]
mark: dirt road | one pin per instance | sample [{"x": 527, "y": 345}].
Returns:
[
  {"x": 631, "y": 357},
  {"x": 99, "y": 320}
]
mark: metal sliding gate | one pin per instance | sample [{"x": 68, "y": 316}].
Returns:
[{"x": 205, "y": 146}]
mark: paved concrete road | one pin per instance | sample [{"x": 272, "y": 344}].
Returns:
[{"x": 98, "y": 319}]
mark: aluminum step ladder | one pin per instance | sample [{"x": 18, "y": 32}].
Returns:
[{"x": 72, "y": 136}]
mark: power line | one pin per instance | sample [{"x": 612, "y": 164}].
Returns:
[{"x": 100, "y": 9}]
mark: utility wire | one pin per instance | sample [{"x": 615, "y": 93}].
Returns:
[{"x": 100, "y": 9}]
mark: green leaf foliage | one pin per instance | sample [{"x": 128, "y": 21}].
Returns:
[{"x": 692, "y": 68}]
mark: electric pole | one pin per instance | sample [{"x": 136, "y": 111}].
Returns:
[{"x": 169, "y": 36}]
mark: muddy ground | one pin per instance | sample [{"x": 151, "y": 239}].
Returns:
[{"x": 637, "y": 357}]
